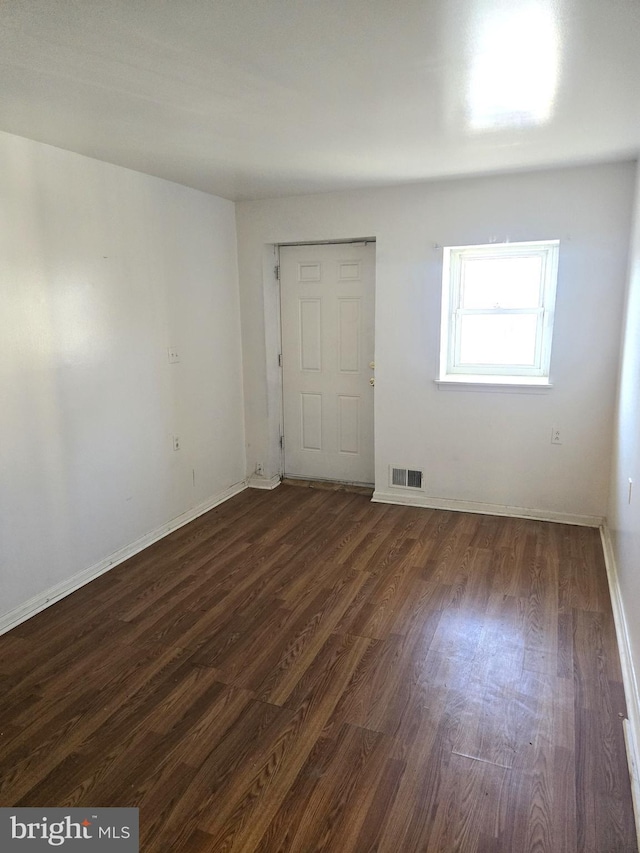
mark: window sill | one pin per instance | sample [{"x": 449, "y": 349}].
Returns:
[{"x": 502, "y": 384}]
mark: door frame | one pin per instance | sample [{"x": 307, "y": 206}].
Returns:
[{"x": 274, "y": 465}]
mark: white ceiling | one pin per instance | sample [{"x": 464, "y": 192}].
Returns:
[{"x": 258, "y": 98}]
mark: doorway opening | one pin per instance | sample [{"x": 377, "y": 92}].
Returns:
[{"x": 327, "y": 361}]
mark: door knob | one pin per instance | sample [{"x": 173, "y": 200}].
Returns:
[{"x": 372, "y": 381}]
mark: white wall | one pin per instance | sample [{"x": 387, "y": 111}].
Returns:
[
  {"x": 102, "y": 269},
  {"x": 475, "y": 446},
  {"x": 624, "y": 517}
]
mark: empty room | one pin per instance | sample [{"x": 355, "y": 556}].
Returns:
[{"x": 320, "y": 426}]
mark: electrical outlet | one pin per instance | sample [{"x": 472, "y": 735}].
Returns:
[
  {"x": 176, "y": 442},
  {"x": 259, "y": 469},
  {"x": 556, "y": 437},
  {"x": 173, "y": 355}
]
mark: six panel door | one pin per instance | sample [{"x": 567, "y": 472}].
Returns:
[{"x": 327, "y": 301}]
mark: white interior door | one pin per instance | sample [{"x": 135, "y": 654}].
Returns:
[{"x": 327, "y": 303}]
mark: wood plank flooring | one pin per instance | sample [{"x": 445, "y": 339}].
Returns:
[{"x": 303, "y": 670}]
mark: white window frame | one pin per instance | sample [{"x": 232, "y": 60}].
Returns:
[{"x": 451, "y": 368}]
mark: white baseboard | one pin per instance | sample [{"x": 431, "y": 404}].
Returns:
[
  {"x": 66, "y": 587},
  {"x": 631, "y": 692},
  {"x": 256, "y": 482},
  {"x": 403, "y": 499}
]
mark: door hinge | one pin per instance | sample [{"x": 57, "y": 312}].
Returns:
[
  {"x": 279, "y": 359},
  {"x": 282, "y": 442},
  {"x": 276, "y": 272}
]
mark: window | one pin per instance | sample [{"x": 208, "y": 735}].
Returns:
[{"x": 497, "y": 312}]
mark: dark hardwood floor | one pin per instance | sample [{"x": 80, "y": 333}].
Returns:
[{"x": 303, "y": 670}]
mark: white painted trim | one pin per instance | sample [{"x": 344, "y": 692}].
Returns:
[
  {"x": 629, "y": 679},
  {"x": 66, "y": 587},
  {"x": 256, "y": 482},
  {"x": 511, "y": 387},
  {"x": 484, "y": 509}
]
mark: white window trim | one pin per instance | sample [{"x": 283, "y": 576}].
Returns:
[
  {"x": 499, "y": 384},
  {"x": 496, "y": 376}
]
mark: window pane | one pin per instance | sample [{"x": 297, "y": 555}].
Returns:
[
  {"x": 501, "y": 282},
  {"x": 498, "y": 339}
]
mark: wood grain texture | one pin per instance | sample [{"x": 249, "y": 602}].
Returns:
[{"x": 303, "y": 670}]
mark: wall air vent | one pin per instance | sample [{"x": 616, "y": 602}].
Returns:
[{"x": 408, "y": 478}]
